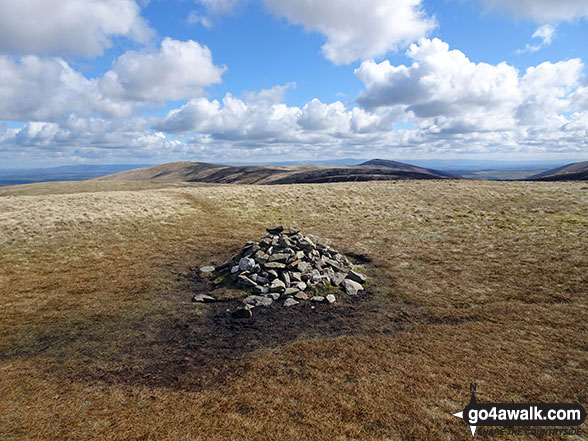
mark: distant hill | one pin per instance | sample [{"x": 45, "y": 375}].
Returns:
[
  {"x": 267, "y": 174},
  {"x": 578, "y": 171},
  {"x": 62, "y": 173}
]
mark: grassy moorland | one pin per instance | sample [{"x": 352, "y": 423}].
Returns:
[{"x": 469, "y": 281}]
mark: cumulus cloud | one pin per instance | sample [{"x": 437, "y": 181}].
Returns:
[
  {"x": 542, "y": 10},
  {"x": 357, "y": 30},
  {"x": 48, "y": 89},
  {"x": 68, "y": 27},
  {"x": 36, "y": 88},
  {"x": 179, "y": 70},
  {"x": 446, "y": 91},
  {"x": 268, "y": 120},
  {"x": 545, "y": 33}
]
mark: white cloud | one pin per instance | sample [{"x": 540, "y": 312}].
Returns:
[
  {"x": 545, "y": 33},
  {"x": 36, "y": 88},
  {"x": 197, "y": 18},
  {"x": 269, "y": 121},
  {"x": 220, "y": 7},
  {"x": 179, "y": 70},
  {"x": 68, "y": 27},
  {"x": 211, "y": 10},
  {"x": 443, "y": 83},
  {"x": 273, "y": 95},
  {"x": 448, "y": 96},
  {"x": 542, "y": 10},
  {"x": 357, "y": 30},
  {"x": 48, "y": 89}
]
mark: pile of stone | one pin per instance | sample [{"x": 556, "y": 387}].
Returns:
[{"x": 286, "y": 266}]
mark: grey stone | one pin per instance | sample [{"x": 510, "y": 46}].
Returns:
[
  {"x": 334, "y": 264},
  {"x": 300, "y": 296},
  {"x": 235, "y": 269},
  {"x": 301, "y": 286},
  {"x": 278, "y": 257},
  {"x": 284, "y": 242},
  {"x": 295, "y": 277},
  {"x": 273, "y": 295},
  {"x": 290, "y": 302},
  {"x": 352, "y": 287},
  {"x": 257, "y": 301},
  {"x": 246, "y": 264},
  {"x": 274, "y": 265},
  {"x": 306, "y": 243},
  {"x": 207, "y": 269},
  {"x": 291, "y": 291},
  {"x": 261, "y": 257},
  {"x": 299, "y": 255},
  {"x": 243, "y": 312},
  {"x": 331, "y": 298},
  {"x": 203, "y": 298},
  {"x": 277, "y": 286},
  {"x": 246, "y": 281},
  {"x": 337, "y": 279},
  {"x": 285, "y": 278},
  {"x": 317, "y": 299},
  {"x": 302, "y": 267},
  {"x": 357, "y": 277}
]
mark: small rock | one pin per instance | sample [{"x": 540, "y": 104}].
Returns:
[
  {"x": 357, "y": 277},
  {"x": 274, "y": 265},
  {"x": 273, "y": 295},
  {"x": 296, "y": 277},
  {"x": 207, "y": 269},
  {"x": 275, "y": 230},
  {"x": 203, "y": 298},
  {"x": 291, "y": 291},
  {"x": 272, "y": 273},
  {"x": 261, "y": 257},
  {"x": 300, "y": 296},
  {"x": 257, "y": 301},
  {"x": 331, "y": 298},
  {"x": 285, "y": 278},
  {"x": 301, "y": 286},
  {"x": 290, "y": 302},
  {"x": 246, "y": 281},
  {"x": 243, "y": 312},
  {"x": 302, "y": 267},
  {"x": 352, "y": 287},
  {"x": 337, "y": 279},
  {"x": 278, "y": 257},
  {"x": 306, "y": 243},
  {"x": 246, "y": 264},
  {"x": 277, "y": 286},
  {"x": 235, "y": 269},
  {"x": 261, "y": 289},
  {"x": 317, "y": 299}
]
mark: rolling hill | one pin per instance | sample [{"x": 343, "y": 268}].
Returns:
[
  {"x": 374, "y": 170},
  {"x": 577, "y": 171}
]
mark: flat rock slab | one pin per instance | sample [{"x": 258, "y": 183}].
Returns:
[{"x": 203, "y": 298}]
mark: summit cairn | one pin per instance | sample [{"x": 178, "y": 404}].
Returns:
[{"x": 288, "y": 267}]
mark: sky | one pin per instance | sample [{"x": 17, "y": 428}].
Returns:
[{"x": 259, "y": 81}]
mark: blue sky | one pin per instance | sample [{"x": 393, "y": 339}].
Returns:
[{"x": 125, "y": 81}]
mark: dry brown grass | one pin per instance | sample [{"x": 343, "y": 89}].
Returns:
[{"x": 490, "y": 280}]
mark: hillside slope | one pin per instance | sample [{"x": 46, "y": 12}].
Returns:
[
  {"x": 577, "y": 171},
  {"x": 374, "y": 170}
]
